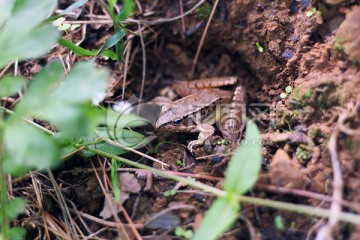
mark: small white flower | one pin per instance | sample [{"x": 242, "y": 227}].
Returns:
[
  {"x": 122, "y": 107},
  {"x": 99, "y": 97}
]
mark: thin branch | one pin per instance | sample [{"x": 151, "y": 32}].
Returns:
[{"x": 203, "y": 38}]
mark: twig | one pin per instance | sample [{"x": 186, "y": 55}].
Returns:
[
  {"x": 203, "y": 38},
  {"x": 127, "y": 55},
  {"x": 182, "y": 13},
  {"x": 143, "y": 65},
  {"x": 135, "y": 151},
  {"x": 104, "y": 222},
  {"x": 62, "y": 204},
  {"x": 335, "y": 209},
  {"x": 346, "y": 116},
  {"x": 120, "y": 225}
]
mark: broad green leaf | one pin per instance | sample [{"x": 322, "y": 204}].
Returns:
[
  {"x": 79, "y": 51},
  {"x": 27, "y": 147},
  {"x": 73, "y": 119},
  {"x": 243, "y": 169},
  {"x": 125, "y": 137},
  {"x": 82, "y": 83},
  {"x": 219, "y": 218},
  {"x": 6, "y": 7},
  {"x": 9, "y": 85},
  {"x": 17, "y": 233},
  {"x": 114, "y": 119},
  {"x": 126, "y": 11},
  {"x": 41, "y": 86},
  {"x": 65, "y": 102},
  {"x": 21, "y": 36},
  {"x": 15, "y": 207},
  {"x": 111, "y": 41},
  {"x": 73, "y": 6}
]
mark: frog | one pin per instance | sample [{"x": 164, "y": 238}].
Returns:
[{"x": 203, "y": 104}]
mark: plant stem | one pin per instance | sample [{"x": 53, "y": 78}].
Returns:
[
  {"x": 5, "y": 224},
  {"x": 302, "y": 209}
]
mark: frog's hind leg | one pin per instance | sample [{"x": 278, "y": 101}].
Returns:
[{"x": 232, "y": 119}]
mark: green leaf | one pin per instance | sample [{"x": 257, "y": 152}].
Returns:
[
  {"x": 79, "y": 51},
  {"x": 126, "y": 11},
  {"x": 74, "y": 120},
  {"x": 111, "y": 41},
  {"x": 6, "y": 7},
  {"x": 21, "y": 36},
  {"x": 82, "y": 83},
  {"x": 125, "y": 137},
  {"x": 27, "y": 147},
  {"x": 114, "y": 119},
  {"x": 73, "y": 6},
  {"x": 41, "y": 86},
  {"x": 219, "y": 218},
  {"x": 243, "y": 169},
  {"x": 112, "y": 6},
  {"x": 114, "y": 181},
  {"x": 9, "y": 85},
  {"x": 65, "y": 102},
  {"x": 17, "y": 233},
  {"x": 16, "y": 207},
  {"x": 119, "y": 49}
]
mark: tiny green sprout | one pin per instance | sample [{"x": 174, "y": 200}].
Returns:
[
  {"x": 64, "y": 27},
  {"x": 283, "y": 95},
  {"x": 338, "y": 45},
  {"x": 311, "y": 12},
  {"x": 279, "y": 224},
  {"x": 74, "y": 26},
  {"x": 179, "y": 162},
  {"x": 58, "y": 22},
  {"x": 221, "y": 142},
  {"x": 61, "y": 26},
  {"x": 288, "y": 89},
  {"x": 181, "y": 232},
  {"x": 169, "y": 193},
  {"x": 292, "y": 225},
  {"x": 259, "y": 47}
]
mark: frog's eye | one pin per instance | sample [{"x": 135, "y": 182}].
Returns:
[{"x": 177, "y": 122}]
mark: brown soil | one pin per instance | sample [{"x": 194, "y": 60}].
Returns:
[{"x": 299, "y": 52}]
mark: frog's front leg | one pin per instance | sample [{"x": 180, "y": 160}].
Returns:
[{"x": 205, "y": 132}]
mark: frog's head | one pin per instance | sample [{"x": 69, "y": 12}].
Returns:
[{"x": 170, "y": 121}]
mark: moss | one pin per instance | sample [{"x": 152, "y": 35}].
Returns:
[
  {"x": 300, "y": 98},
  {"x": 314, "y": 131},
  {"x": 203, "y": 11}
]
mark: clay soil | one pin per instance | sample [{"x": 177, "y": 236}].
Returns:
[{"x": 269, "y": 46}]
